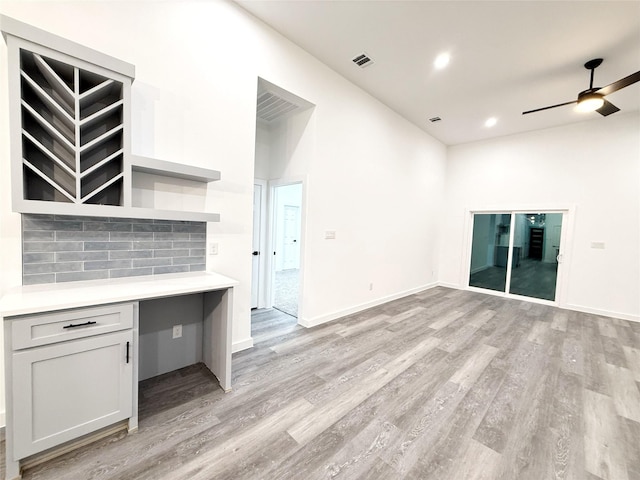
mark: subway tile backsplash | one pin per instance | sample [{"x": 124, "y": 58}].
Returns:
[{"x": 61, "y": 248}]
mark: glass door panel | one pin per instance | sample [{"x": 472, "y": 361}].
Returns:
[
  {"x": 536, "y": 245},
  {"x": 489, "y": 251}
]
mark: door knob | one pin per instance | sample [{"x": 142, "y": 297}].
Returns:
[{"x": 256, "y": 253}]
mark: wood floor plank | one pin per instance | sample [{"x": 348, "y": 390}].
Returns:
[
  {"x": 602, "y": 457},
  {"x": 321, "y": 418},
  {"x": 560, "y": 320},
  {"x": 633, "y": 360},
  {"x": 624, "y": 390},
  {"x": 467, "y": 375}
]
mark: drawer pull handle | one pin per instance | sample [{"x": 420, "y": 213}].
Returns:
[
  {"x": 127, "y": 352},
  {"x": 71, "y": 325}
]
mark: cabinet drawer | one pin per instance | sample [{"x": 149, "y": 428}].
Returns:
[{"x": 35, "y": 330}]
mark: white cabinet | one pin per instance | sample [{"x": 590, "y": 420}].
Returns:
[
  {"x": 69, "y": 389},
  {"x": 69, "y": 116},
  {"x": 69, "y": 373}
]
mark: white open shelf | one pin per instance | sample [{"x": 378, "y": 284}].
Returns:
[{"x": 172, "y": 169}]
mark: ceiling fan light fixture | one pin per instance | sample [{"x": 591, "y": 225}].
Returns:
[{"x": 590, "y": 102}]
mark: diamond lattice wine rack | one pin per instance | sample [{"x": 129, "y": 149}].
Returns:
[{"x": 72, "y": 132}]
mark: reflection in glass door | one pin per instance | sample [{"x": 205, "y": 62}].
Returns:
[
  {"x": 536, "y": 246},
  {"x": 531, "y": 252},
  {"x": 489, "y": 251}
]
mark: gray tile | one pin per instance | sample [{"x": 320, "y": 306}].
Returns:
[
  {"x": 107, "y": 226},
  {"x": 35, "y": 268},
  {"x": 37, "y": 279},
  {"x": 152, "y": 262},
  {"x": 88, "y": 246},
  {"x": 130, "y": 220},
  {"x": 35, "y": 224},
  {"x": 79, "y": 218},
  {"x": 131, "y": 236},
  {"x": 171, "y": 253},
  {"x": 170, "y": 236},
  {"x": 198, "y": 236},
  {"x": 119, "y": 254},
  {"x": 38, "y": 216},
  {"x": 81, "y": 256},
  {"x": 199, "y": 227},
  {"x": 52, "y": 246},
  {"x": 77, "y": 276},
  {"x": 188, "y": 260},
  {"x": 198, "y": 267},
  {"x": 35, "y": 235},
  {"x": 130, "y": 272},
  {"x": 151, "y": 227},
  {"x": 171, "y": 269},
  {"x": 194, "y": 252},
  {"x": 189, "y": 244},
  {"x": 165, "y": 222},
  {"x": 84, "y": 236},
  {"x": 38, "y": 257},
  {"x": 151, "y": 245},
  {"x": 107, "y": 265}
]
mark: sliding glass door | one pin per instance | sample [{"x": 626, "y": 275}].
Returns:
[{"x": 516, "y": 253}]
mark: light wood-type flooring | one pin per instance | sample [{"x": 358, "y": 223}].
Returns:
[{"x": 444, "y": 384}]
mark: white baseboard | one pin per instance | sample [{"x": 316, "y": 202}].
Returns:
[
  {"x": 450, "y": 285},
  {"x": 603, "y": 313},
  {"x": 3, "y": 419},
  {"x": 308, "y": 323},
  {"x": 242, "y": 345}
]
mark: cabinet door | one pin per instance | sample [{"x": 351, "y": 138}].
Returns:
[{"x": 66, "y": 390}]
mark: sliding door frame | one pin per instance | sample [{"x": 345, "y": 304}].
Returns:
[{"x": 568, "y": 214}]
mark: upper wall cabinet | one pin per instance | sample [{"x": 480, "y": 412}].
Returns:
[{"x": 70, "y": 130}]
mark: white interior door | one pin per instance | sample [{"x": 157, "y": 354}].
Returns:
[
  {"x": 255, "y": 268},
  {"x": 291, "y": 246}
]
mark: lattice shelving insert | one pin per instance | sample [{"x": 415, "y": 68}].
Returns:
[{"x": 72, "y": 133}]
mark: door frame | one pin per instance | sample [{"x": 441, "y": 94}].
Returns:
[
  {"x": 270, "y": 239},
  {"x": 262, "y": 246},
  {"x": 566, "y": 236}
]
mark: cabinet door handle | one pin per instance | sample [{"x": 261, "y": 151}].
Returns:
[
  {"x": 127, "y": 352},
  {"x": 71, "y": 325}
]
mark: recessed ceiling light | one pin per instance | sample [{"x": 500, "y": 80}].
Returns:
[
  {"x": 491, "y": 121},
  {"x": 442, "y": 61}
]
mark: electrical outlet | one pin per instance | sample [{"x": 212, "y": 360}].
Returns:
[
  {"x": 371, "y": 286},
  {"x": 177, "y": 331},
  {"x": 213, "y": 249}
]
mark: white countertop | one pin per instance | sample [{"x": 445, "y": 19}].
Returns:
[{"x": 59, "y": 296}]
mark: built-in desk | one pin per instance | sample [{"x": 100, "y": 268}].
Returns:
[{"x": 66, "y": 343}]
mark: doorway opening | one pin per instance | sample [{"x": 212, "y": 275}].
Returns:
[
  {"x": 517, "y": 253},
  {"x": 287, "y": 206},
  {"x": 284, "y": 146}
]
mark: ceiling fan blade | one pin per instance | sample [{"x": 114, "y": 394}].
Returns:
[
  {"x": 547, "y": 108},
  {"x": 623, "y": 82},
  {"x": 607, "y": 109}
]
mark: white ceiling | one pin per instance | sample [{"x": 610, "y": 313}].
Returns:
[{"x": 506, "y": 56}]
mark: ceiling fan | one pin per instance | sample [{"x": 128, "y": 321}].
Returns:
[{"x": 593, "y": 98}]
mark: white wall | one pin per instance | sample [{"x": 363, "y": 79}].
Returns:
[
  {"x": 372, "y": 176},
  {"x": 595, "y": 166}
]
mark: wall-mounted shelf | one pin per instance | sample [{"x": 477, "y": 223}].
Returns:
[
  {"x": 171, "y": 169},
  {"x": 117, "y": 212}
]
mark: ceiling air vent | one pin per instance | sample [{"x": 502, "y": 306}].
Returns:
[
  {"x": 272, "y": 107},
  {"x": 362, "y": 60}
]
